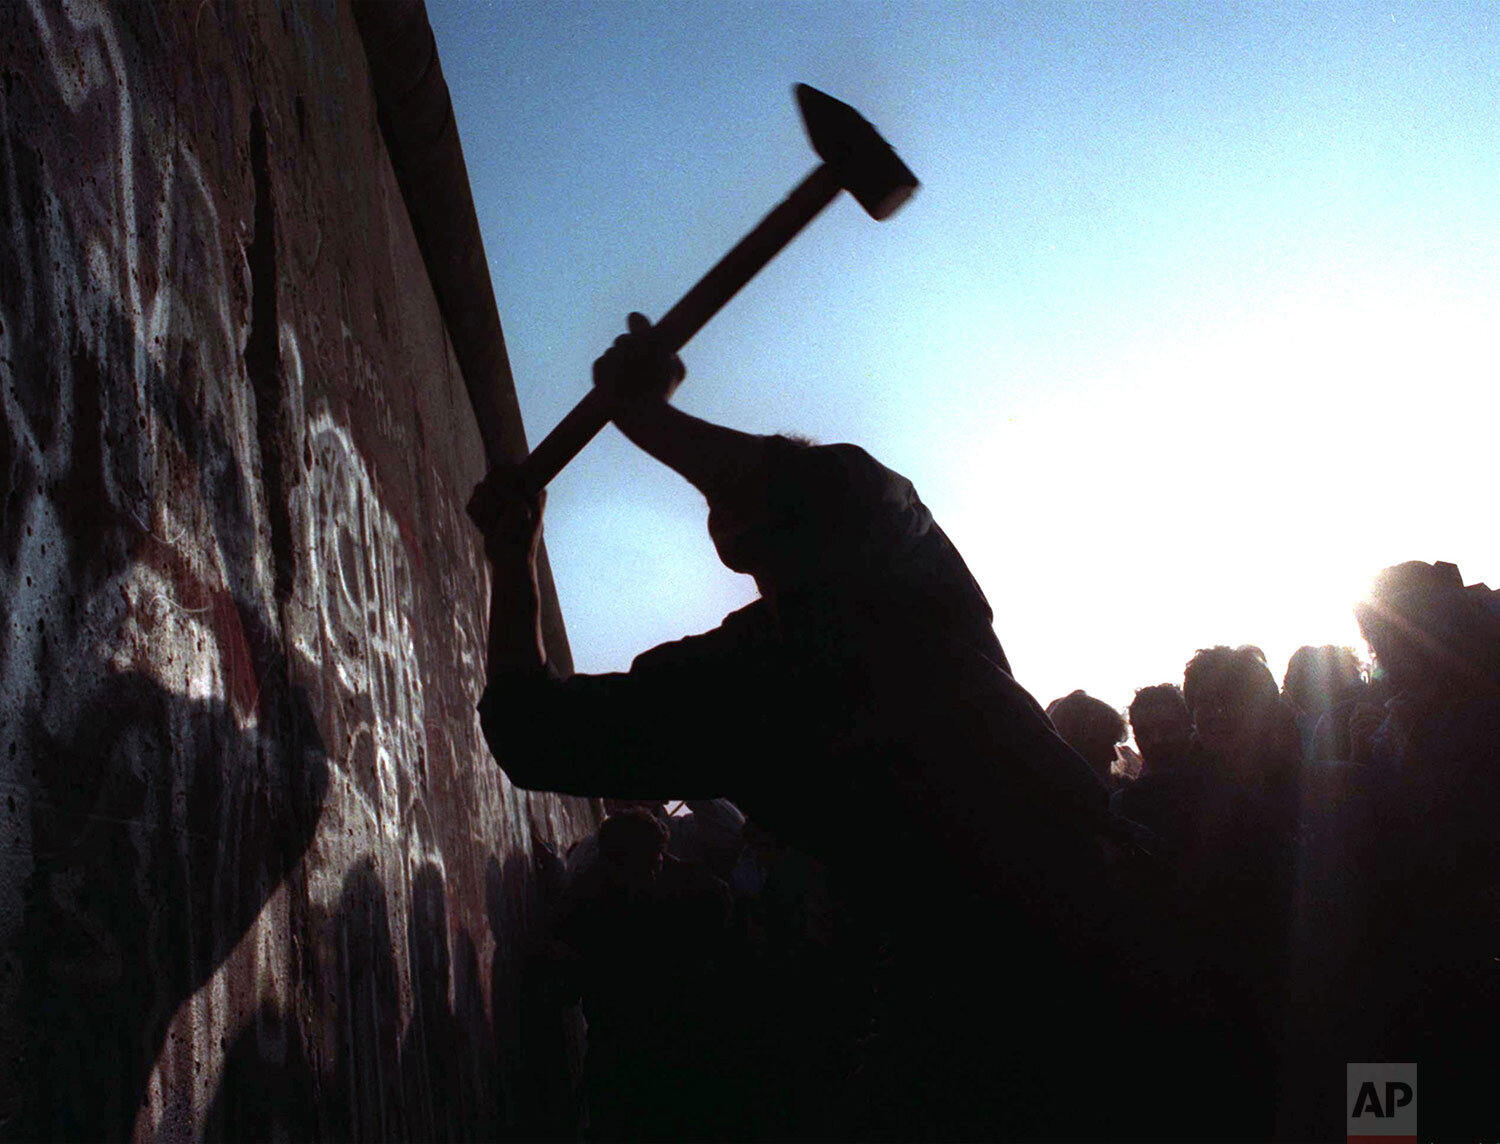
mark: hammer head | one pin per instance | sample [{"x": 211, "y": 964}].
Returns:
[{"x": 866, "y": 166}]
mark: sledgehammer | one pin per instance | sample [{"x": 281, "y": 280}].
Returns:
[{"x": 855, "y": 159}]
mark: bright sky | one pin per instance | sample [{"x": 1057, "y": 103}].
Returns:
[{"x": 1193, "y": 326}]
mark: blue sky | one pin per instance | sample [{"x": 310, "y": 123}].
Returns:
[{"x": 1193, "y": 326}]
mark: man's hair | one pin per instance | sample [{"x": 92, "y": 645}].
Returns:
[
  {"x": 748, "y": 495},
  {"x": 1426, "y": 611},
  {"x": 1320, "y": 676},
  {"x": 1160, "y": 695},
  {"x": 801, "y": 439},
  {"x": 632, "y": 834},
  {"x": 1240, "y": 670},
  {"x": 1079, "y": 708}
]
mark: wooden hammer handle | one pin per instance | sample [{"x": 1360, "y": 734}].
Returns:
[{"x": 688, "y": 316}]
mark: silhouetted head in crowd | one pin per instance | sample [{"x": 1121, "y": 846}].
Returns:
[
  {"x": 1090, "y": 726},
  {"x": 1426, "y": 628},
  {"x": 633, "y": 847},
  {"x": 1232, "y": 695},
  {"x": 1318, "y": 678},
  {"x": 1162, "y": 726}
]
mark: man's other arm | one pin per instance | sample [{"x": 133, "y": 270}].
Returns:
[
  {"x": 657, "y": 732},
  {"x": 637, "y": 735}
]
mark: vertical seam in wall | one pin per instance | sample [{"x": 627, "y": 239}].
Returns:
[{"x": 263, "y": 358}]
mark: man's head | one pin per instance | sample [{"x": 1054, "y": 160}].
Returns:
[
  {"x": 739, "y": 526},
  {"x": 1162, "y": 726},
  {"x": 1090, "y": 726},
  {"x": 1424, "y": 626},
  {"x": 800, "y": 510},
  {"x": 1230, "y": 692},
  {"x": 748, "y": 521},
  {"x": 632, "y": 847},
  {"x": 1319, "y": 677}
]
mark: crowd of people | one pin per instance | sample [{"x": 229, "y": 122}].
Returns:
[{"x": 902, "y": 901}]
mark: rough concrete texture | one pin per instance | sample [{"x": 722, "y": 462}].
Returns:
[{"x": 258, "y": 874}]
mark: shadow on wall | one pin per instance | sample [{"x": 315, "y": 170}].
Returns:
[
  {"x": 162, "y": 766},
  {"x": 269, "y": 1089},
  {"x": 448, "y": 1077},
  {"x": 439, "y": 1080},
  {"x": 148, "y": 868},
  {"x": 539, "y": 1029},
  {"x": 365, "y": 1098},
  {"x": 162, "y": 817}
]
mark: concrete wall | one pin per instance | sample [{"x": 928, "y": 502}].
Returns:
[{"x": 258, "y": 874}]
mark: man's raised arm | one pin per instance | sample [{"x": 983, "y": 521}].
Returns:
[
  {"x": 640, "y": 378},
  {"x": 642, "y": 734}
]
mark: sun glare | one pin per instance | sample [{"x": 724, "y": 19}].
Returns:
[{"x": 1237, "y": 484}]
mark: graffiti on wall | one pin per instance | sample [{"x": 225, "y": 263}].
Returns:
[{"x": 246, "y": 844}]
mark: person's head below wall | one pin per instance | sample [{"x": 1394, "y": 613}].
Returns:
[
  {"x": 1229, "y": 692},
  {"x": 1090, "y": 726},
  {"x": 632, "y": 846},
  {"x": 1426, "y": 628},
  {"x": 1317, "y": 678},
  {"x": 1162, "y": 726}
]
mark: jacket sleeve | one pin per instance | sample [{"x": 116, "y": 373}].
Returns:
[{"x": 667, "y": 729}]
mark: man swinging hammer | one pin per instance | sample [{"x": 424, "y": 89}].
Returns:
[{"x": 862, "y": 710}]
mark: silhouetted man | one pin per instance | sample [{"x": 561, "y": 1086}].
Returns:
[
  {"x": 649, "y": 933},
  {"x": 1434, "y": 860},
  {"x": 1323, "y": 685},
  {"x": 1170, "y": 796},
  {"x": 1438, "y": 643},
  {"x": 1238, "y": 717},
  {"x": 1162, "y": 726},
  {"x": 861, "y": 709},
  {"x": 1187, "y": 1023},
  {"x": 1239, "y": 874},
  {"x": 1092, "y": 728}
]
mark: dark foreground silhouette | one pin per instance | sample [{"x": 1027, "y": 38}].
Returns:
[{"x": 1020, "y": 953}]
